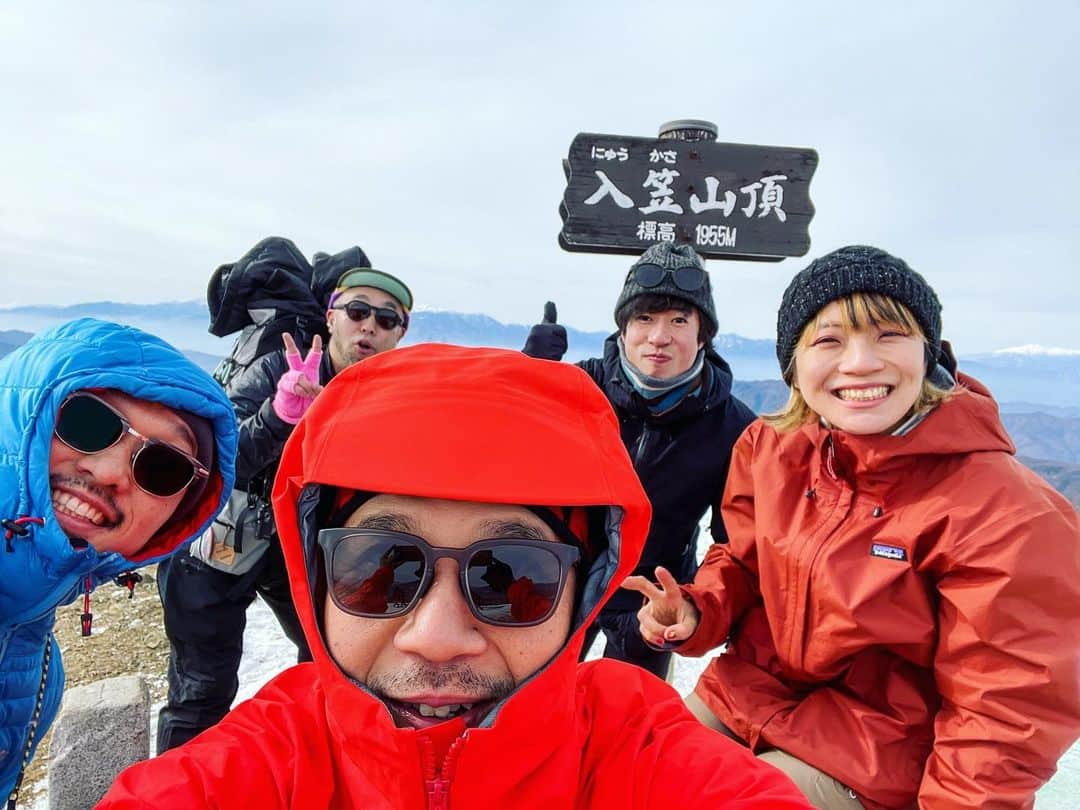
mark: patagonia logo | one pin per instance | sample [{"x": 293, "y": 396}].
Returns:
[{"x": 888, "y": 552}]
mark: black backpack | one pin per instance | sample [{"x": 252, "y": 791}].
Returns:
[{"x": 273, "y": 289}]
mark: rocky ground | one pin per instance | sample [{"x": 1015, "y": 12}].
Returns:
[{"x": 127, "y": 638}]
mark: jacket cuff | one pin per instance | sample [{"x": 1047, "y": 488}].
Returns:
[
  {"x": 696, "y": 645},
  {"x": 280, "y": 428}
]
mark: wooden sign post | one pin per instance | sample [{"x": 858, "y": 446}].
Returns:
[{"x": 727, "y": 200}]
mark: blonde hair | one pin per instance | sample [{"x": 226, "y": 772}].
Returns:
[{"x": 857, "y": 311}]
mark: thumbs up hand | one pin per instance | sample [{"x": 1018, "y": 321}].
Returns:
[{"x": 547, "y": 339}]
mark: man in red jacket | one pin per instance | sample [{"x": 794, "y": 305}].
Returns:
[{"x": 452, "y": 520}]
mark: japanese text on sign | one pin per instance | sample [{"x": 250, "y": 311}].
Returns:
[
  {"x": 730, "y": 200},
  {"x": 763, "y": 198}
]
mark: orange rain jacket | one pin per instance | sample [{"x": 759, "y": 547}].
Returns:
[
  {"x": 903, "y": 611},
  {"x": 598, "y": 735}
]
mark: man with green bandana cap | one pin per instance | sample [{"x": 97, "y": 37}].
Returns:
[{"x": 206, "y": 594}]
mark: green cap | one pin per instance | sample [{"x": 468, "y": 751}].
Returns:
[{"x": 369, "y": 277}]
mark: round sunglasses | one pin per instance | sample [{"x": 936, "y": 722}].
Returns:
[
  {"x": 358, "y": 310},
  {"x": 382, "y": 574},
  {"x": 89, "y": 424},
  {"x": 687, "y": 279}
]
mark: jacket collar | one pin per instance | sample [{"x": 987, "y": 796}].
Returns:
[
  {"x": 967, "y": 422},
  {"x": 716, "y": 386}
]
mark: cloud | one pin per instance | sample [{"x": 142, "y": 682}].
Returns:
[{"x": 144, "y": 144}]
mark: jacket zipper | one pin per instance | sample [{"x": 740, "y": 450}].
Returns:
[
  {"x": 438, "y": 794},
  {"x": 830, "y": 456},
  {"x": 639, "y": 451},
  {"x": 438, "y": 786},
  {"x": 13, "y": 797},
  {"x": 804, "y": 560}
]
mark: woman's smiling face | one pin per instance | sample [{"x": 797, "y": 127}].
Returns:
[{"x": 861, "y": 380}]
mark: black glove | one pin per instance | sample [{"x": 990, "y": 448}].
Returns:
[{"x": 546, "y": 340}]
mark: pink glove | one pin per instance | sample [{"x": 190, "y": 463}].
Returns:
[{"x": 298, "y": 386}]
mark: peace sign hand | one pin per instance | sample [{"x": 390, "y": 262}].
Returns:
[
  {"x": 667, "y": 618},
  {"x": 298, "y": 386}
]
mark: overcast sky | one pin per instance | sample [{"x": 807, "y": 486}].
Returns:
[{"x": 142, "y": 144}]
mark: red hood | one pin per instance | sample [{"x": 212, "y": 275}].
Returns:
[{"x": 462, "y": 424}]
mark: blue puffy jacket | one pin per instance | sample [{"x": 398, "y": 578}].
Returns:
[{"x": 39, "y": 568}]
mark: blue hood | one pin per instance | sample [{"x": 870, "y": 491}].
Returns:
[{"x": 42, "y": 569}]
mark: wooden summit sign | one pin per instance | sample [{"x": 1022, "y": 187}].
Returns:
[{"x": 728, "y": 200}]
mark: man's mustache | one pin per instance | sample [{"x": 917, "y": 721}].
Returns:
[{"x": 422, "y": 677}]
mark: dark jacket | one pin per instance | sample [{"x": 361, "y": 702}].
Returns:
[
  {"x": 262, "y": 435},
  {"x": 681, "y": 458},
  {"x": 263, "y": 432}
]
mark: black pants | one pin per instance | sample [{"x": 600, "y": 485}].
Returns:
[
  {"x": 205, "y": 615},
  {"x": 624, "y": 643}
]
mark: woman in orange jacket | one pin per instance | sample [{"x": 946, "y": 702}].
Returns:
[{"x": 900, "y": 597}]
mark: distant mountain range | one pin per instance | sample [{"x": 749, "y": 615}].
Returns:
[
  {"x": 1039, "y": 389},
  {"x": 1048, "y": 377}
]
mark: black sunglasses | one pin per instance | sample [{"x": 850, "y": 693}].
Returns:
[
  {"x": 358, "y": 310},
  {"x": 509, "y": 582},
  {"x": 89, "y": 424},
  {"x": 687, "y": 279}
]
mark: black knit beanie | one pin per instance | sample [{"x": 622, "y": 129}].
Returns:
[
  {"x": 852, "y": 269},
  {"x": 671, "y": 257}
]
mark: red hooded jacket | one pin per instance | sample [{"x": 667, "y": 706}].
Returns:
[
  {"x": 475, "y": 425},
  {"x": 903, "y": 611}
]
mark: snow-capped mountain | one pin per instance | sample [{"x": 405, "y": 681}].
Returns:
[{"x": 1034, "y": 349}]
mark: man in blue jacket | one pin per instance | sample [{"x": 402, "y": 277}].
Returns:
[{"x": 115, "y": 451}]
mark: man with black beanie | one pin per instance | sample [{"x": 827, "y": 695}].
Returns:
[{"x": 678, "y": 419}]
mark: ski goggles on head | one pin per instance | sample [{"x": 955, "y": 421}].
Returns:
[
  {"x": 358, "y": 310},
  {"x": 687, "y": 279},
  {"x": 89, "y": 424},
  {"x": 382, "y": 574}
]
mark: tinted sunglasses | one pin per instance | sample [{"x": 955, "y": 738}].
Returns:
[
  {"x": 381, "y": 574},
  {"x": 687, "y": 279},
  {"x": 358, "y": 310},
  {"x": 89, "y": 424}
]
